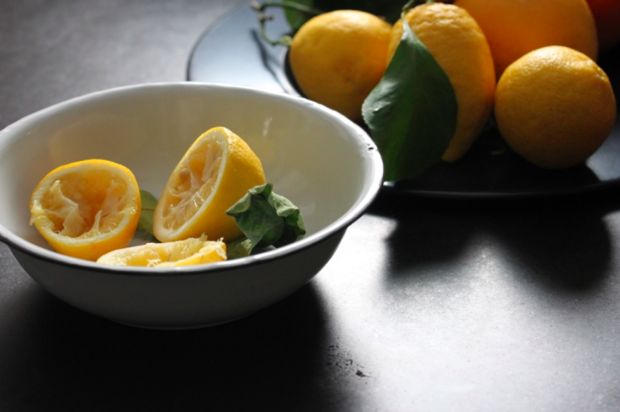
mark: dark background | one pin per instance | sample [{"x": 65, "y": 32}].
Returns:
[{"x": 428, "y": 305}]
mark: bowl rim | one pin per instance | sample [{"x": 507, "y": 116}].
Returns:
[{"x": 373, "y": 187}]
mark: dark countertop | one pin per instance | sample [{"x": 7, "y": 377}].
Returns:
[{"x": 428, "y": 305}]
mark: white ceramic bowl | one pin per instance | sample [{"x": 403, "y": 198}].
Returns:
[{"x": 321, "y": 161}]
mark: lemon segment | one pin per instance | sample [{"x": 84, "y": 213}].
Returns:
[
  {"x": 215, "y": 172},
  {"x": 86, "y": 209},
  {"x": 180, "y": 253}
]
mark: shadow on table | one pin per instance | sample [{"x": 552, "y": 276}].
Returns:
[
  {"x": 562, "y": 245},
  {"x": 59, "y": 358}
]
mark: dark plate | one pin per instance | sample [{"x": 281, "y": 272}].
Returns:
[{"x": 232, "y": 51}]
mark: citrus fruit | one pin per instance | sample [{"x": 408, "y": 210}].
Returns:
[
  {"x": 607, "y": 18},
  {"x": 514, "y": 28},
  {"x": 458, "y": 45},
  {"x": 337, "y": 58},
  {"x": 554, "y": 107},
  {"x": 180, "y": 253},
  {"x": 215, "y": 172},
  {"x": 86, "y": 209}
]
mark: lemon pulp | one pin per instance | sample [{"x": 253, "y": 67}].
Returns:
[
  {"x": 215, "y": 172},
  {"x": 172, "y": 254},
  {"x": 85, "y": 209}
]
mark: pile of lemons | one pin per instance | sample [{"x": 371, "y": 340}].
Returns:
[{"x": 531, "y": 64}]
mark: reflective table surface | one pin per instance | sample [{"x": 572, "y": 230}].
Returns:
[{"x": 427, "y": 305}]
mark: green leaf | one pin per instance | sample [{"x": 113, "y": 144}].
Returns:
[
  {"x": 266, "y": 219},
  {"x": 412, "y": 112},
  {"x": 389, "y": 9},
  {"x": 296, "y": 18},
  {"x": 149, "y": 202},
  {"x": 239, "y": 248}
]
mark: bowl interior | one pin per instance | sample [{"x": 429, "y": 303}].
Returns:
[{"x": 321, "y": 162}]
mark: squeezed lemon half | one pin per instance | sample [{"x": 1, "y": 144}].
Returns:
[
  {"x": 86, "y": 209},
  {"x": 180, "y": 253},
  {"x": 215, "y": 172}
]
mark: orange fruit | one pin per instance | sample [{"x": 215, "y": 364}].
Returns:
[
  {"x": 86, "y": 209},
  {"x": 172, "y": 254},
  {"x": 215, "y": 172},
  {"x": 514, "y": 28},
  {"x": 607, "y": 18},
  {"x": 555, "y": 107},
  {"x": 337, "y": 58},
  {"x": 456, "y": 42}
]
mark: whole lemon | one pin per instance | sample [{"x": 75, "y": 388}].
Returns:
[
  {"x": 337, "y": 58},
  {"x": 516, "y": 27},
  {"x": 555, "y": 107},
  {"x": 458, "y": 45}
]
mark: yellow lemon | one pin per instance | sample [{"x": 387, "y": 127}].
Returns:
[
  {"x": 337, "y": 58},
  {"x": 555, "y": 107},
  {"x": 458, "y": 45},
  {"x": 215, "y": 172},
  {"x": 86, "y": 209},
  {"x": 180, "y": 253},
  {"x": 516, "y": 27}
]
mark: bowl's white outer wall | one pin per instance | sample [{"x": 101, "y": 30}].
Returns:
[
  {"x": 324, "y": 163},
  {"x": 184, "y": 302}
]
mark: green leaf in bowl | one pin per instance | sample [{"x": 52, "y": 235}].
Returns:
[
  {"x": 266, "y": 219},
  {"x": 149, "y": 203}
]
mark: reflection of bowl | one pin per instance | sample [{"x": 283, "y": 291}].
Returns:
[{"x": 317, "y": 158}]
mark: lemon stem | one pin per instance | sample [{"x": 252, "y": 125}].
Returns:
[{"x": 263, "y": 18}]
